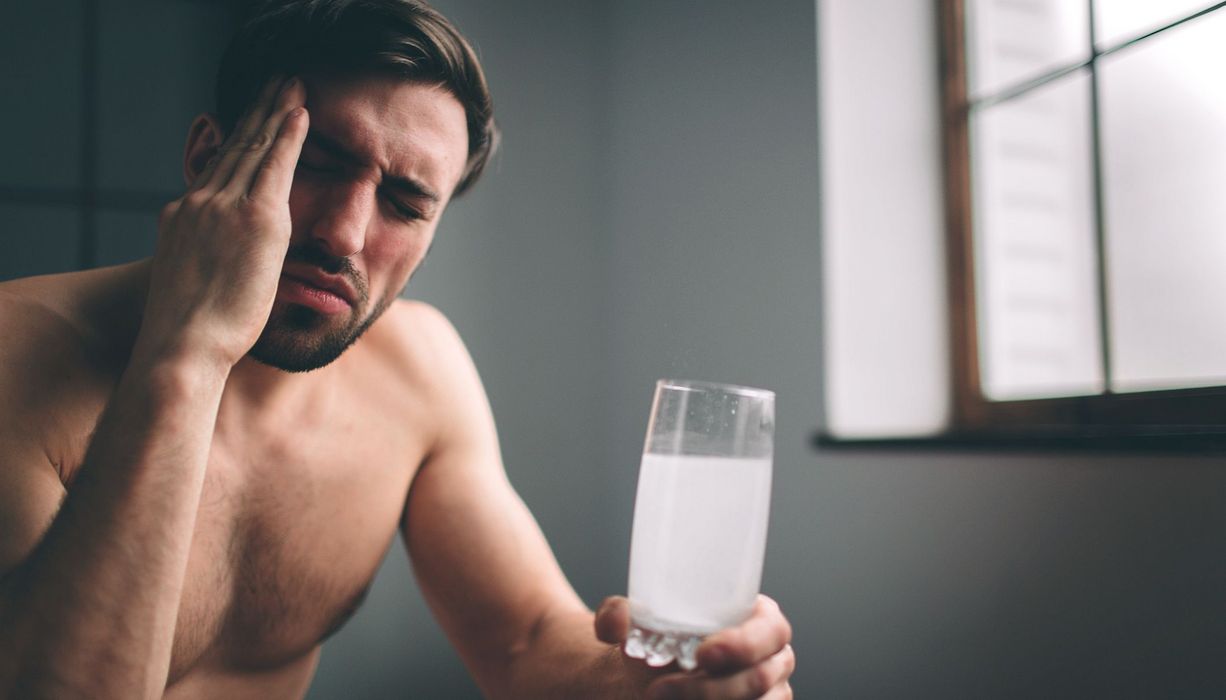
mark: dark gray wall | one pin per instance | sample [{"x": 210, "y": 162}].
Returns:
[
  {"x": 907, "y": 574},
  {"x": 654, "y": 214},
  {"x": 96, "y": 107}
]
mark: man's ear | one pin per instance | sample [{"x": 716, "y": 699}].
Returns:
[{"x": 204, "y": 139}]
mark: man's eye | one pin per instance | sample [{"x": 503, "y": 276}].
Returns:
[
  {"x": 402, "y": 210},
  {"x": 407, "y": 213}
]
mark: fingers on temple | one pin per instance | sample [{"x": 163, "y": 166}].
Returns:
[
  {"x": 244, "y": 131},
  {"x": 254, "y": 152},
  {"x": 763, "y": 635},
  {"x": 766, "y": 680},
  {"x": 613, "y": 620},
  {"x": 275, "y": 174}
]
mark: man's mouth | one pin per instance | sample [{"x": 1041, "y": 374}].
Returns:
[{"x": 324, "y": 293}]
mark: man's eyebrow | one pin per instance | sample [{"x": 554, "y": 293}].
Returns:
[
  {"x": 332, "y": 147},
  {"x": 409, "y": 186}
]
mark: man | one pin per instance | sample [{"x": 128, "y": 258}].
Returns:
[{"x": 204, "y": 455}]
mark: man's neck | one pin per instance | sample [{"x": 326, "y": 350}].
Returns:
[{"x": 260, "y": 395}]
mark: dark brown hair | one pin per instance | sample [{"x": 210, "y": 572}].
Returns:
[{"x": 403, "y": 38}]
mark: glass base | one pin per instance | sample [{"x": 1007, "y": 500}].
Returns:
[{"x": 661, "y": 648}]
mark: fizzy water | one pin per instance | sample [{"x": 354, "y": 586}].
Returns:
[{"x": 697, "y": 545}]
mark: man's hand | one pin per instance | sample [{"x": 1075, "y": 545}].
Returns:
[
  {"x": 221, "y": 246},
  {"x": 751, "y": 660}
]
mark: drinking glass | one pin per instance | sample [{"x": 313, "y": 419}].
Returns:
[{"x": 700, "y": 516}]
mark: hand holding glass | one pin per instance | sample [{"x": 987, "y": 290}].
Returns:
[{"x": 700, "y": 517}]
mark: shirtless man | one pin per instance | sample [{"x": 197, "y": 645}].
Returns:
[{"x": 187, "y": 512}]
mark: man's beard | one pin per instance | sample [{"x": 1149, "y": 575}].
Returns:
[
  {"x": 297, "y": 339},
  {"x": 300, "y": 339}
]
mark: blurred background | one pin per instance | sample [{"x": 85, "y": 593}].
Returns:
[{"x": 656, "y": 211}]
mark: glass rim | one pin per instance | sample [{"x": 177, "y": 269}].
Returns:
[{"x": 690, "y": 385}]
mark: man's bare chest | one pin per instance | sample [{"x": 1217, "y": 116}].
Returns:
[{"x": 286, "y": 542}]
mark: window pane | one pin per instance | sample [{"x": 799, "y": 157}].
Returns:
[
  {"x": 1116, "y": 21},
  {"x": 1036, "y": 277},
  {"x": 174, "y": 47},
  {"x": 124, "y": 236},
  {"x": 1163, "y": 107},
  {"x": 40, "y": 80},
  {"x": 1013, "y": 41},
  {"x": 38, "y": 240}
]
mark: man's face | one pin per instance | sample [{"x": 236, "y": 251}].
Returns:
[{"x": 378, "y": 167}]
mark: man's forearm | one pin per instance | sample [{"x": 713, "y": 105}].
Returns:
[
  {"x": 564, "y": 660},
  {"x": 91, "y": 612}
]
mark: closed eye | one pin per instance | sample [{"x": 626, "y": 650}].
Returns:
[{"x": 402, "y": 210}]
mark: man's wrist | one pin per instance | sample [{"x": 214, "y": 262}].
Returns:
[
  {"x": 179, "y": 361},
  {"x": 175, "y": 374}
]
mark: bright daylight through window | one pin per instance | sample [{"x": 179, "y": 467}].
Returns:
[{"x": 1086, "y": 152}]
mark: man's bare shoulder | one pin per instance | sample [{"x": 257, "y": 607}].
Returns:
[
  {"x": 61, "y": 352},
  {"x": 423, "y": 351},
  {"x": 98, "y": 309},
  {"x": 32, "y": 303},
  {"x": 418, "y": 340},
  {"x": 41, "y": 339}
]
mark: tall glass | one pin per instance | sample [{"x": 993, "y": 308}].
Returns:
[{"x": 700, "y": 516}]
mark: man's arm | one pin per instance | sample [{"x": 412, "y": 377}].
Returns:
[
  {"x": 496, "y": 588},
  {"x": 91, "y": 593},
  {"x": 88, "y": 609}
]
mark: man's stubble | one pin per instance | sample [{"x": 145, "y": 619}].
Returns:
[{"x": 300, "y": 339}]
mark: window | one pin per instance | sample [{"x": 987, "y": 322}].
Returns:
[
  {"x": 94, "y": 128},
  {"x": 1085, "y": 151}
]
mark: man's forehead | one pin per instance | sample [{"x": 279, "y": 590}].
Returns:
[
  {"x": 337, "y": 150},
  {"x": 409, "y": 130}
]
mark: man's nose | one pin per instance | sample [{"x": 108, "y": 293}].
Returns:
[{"x": 341, "y": 226}]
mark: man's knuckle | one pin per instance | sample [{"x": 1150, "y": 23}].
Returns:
[
  {"x": 196, "y": 199},
  {"x": 168, "y": 212},
  {"x": 259, "y": 142},
  {"x": 733, "y": 640},
  {"x": 761, "y": 678},
  {"x": 219, "y": 205},
  {"x": 260, "y": 205},
  {"x": 779, "y": 636},
  {"x": 247, "y": 207},
  {"x": 217, "y": 214},
  {"x": 789, "y": 658}
]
